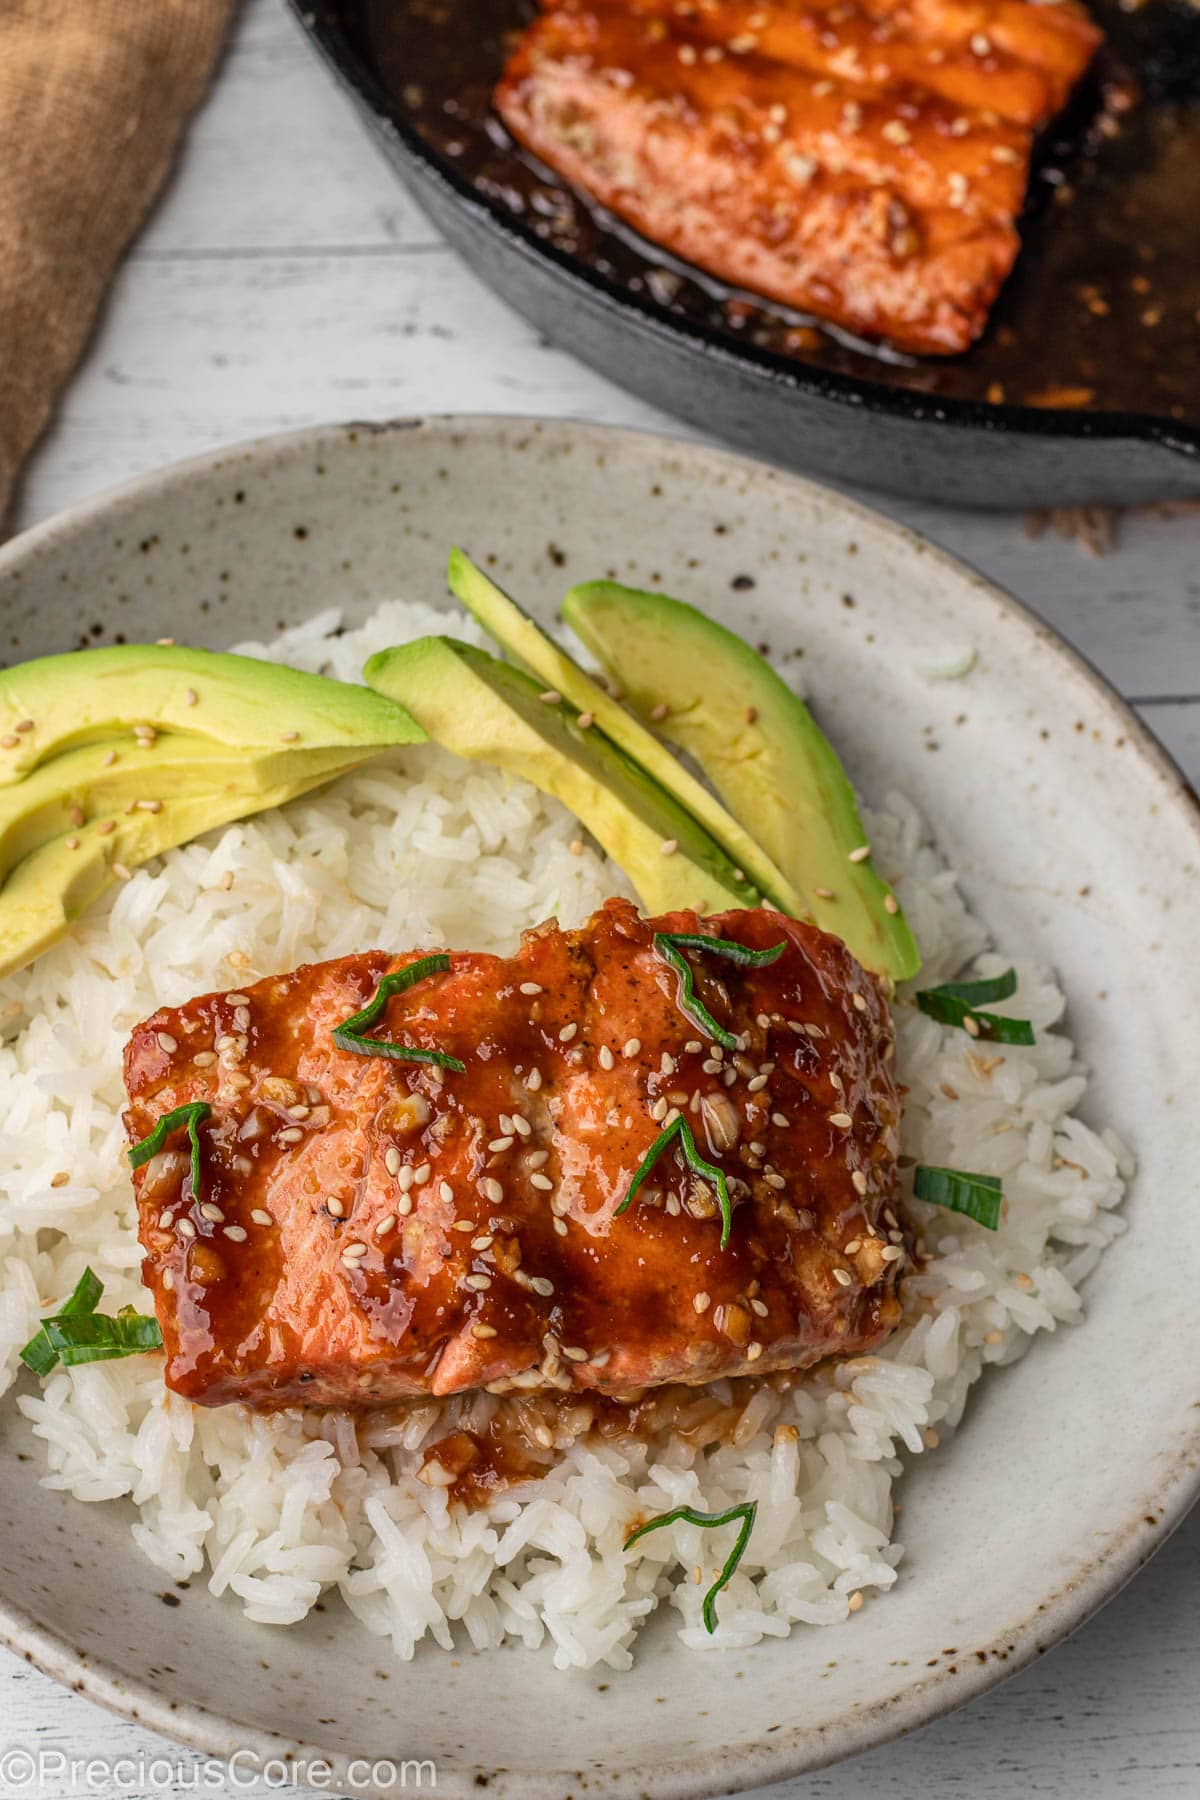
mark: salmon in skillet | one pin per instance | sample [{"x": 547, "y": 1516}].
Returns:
[
  {"x": 368, "y": 1229},
  {"x": 864, "y": 163}
]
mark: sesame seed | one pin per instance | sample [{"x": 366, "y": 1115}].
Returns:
[
  {"x": 10, "y": 741},
  {"x": 404, "y": 1205},
  {"x": 421, "y": 1174},
  {"x": 292, "y": 1135},
  {"x": 701, "y": 1302},
  {"x": 560, "y": 1225},
  {"x": 981, "y": 44},
  {"x": 669, "y": 846},
  {"x": 499, "y": 1144},
  {"x": 354, "y": 1249},
  {"x": 859, "y": 1181},
  {"x": 483, "y": 1331},
  {"x": 543, "y": 1183},
  {"x": 404, "y": 1176},
  {"x": 110, "y": 759},
  {"x": 335, "y": 1207},
  {"x": 463, "y": 1225},
  {"x": 150, "y": 806},
  {"x": 237, "y": 999},
  {"x": 753, "y": 1351},
  {"x": 567, "y": 1033},
  {"x": 632, "y": 1046},
  {"x": 658, "y": 1111},
  {"x": 391, "y": 1160},
  {"x": 891, "y": 904},
  {"x": 190, "y": 697},
  {"x": 586, "y": 720},
  {"x": 165, "y": 1217},
  {"x": 212, "y": 1212},
  {"x": 774, "y": 1179},
  {"x": 864, "y": 850},
  {"x": 72, "y": 843},
  {"x": 530, "y": 987},
  {"x": 542, "y": 1285},
  {"x": 551, "y": 697},
  {"x": 484, "y": 1242},
  {"x": 478, "y": 1284},
  {"x": 491, "y": 1190},
  {"x": 536, "y": 1158},
  {"x": 186, "y": 1228},
  {"x": 576, "y": 846},
  {"x": 533, "y": 1080},
  {"x": 842, "y": 1120},
  {"x": 710, "y": 1066},
  {"x": 853, "y": 1247},
  {"x": 756, "y": 1084},
  {"x": 76, "y": 815},
  {"x": 521, "y": 1125},
  {"x": 843, "y": 1277},
  {"x": 607, "y": 1059},
  {"x": 241, "y": 1018},
  {"x": 893, "y": 1253},
  {"x": 970, "y": 1025},
  {"x": 446, "y": 1192},
  {"x": 659, "y": 711},
  {"x": 236, "y": 1233},
  {"x": 121, "y": 872},
  {"x": 574, "y": 1353},
  {"x": 261, "y": 1216},
  {"x": 289, "y": 737},
  {"x": 780, "y": 1119},
  {"x": 168, "y": 1279},
  {"x": 854, "y": 1603},
  {"x": 759, "y": 1306}
]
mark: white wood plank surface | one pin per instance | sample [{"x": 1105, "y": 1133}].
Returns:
[{"x": 287, "y": 279}]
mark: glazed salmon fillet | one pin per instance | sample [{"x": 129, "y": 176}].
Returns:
[
  {"x": 368, "y": 1229},
  {"x": 866, "y": 164}
]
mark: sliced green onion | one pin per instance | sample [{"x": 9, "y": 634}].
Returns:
[
  {"x": 679, "y": 1128},
  {"x": 746, "y": 1512},
  {"x": 191, "y": 1116},
  {"x": 93, "y": 1337},
  {"x": 976, "y": 1196},
  {"x": 349, "y": 1034},
  {"x": 669, "y": 945},
  {"x": 957, "y": 1001},
  {"x": 77, "y": 1333}
]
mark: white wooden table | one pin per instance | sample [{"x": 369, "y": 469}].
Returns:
[{"x": 286, "y": 279}]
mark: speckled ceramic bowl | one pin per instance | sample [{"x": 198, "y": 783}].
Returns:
[{"x": 1073, "y": 833}]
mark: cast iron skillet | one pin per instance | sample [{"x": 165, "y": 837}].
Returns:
[{"x": 1099, "y": 327}]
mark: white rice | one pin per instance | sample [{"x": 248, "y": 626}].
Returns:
[{"x": 421, "y": 849}]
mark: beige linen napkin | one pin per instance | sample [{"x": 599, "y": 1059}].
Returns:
[{"x": 93, "y": 97}]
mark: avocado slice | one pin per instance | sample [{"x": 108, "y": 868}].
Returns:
[
  {"x": 98, "y": 779},
  {"x": 491, "y": 712},
  {"x": 759, "y": 745},
  {"x": 57, "y": 703},
  {"x": 555, "y": 670},
  {"x": 50, "y": 887}
]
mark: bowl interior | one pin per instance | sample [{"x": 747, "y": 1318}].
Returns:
[{"x": 1071, "y": 833}]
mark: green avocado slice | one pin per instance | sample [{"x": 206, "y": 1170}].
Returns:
[
  {"x": 60, "y": 702},
  {"x": 49, "y": 888},
  {"x": 62, "y": 795},
  {"x": 503, "y": 619},
  {"x": 759, "y": 745},
  {"x": 491, "y": 712}
]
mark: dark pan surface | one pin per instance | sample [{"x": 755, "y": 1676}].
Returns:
[{"x": 1086, "y": 385}]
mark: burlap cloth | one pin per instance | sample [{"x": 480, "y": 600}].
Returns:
[{"x": 93, "y": 97}]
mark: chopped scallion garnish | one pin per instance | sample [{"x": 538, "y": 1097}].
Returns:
[
  {"x": 976, "y": 1196},
  {"x": 77, "y": 1333},
  {"x": 746, "y": 1512},
  {"x": 670, "y": 944},
  {"x": 349, "y": 1034},
  {"x": 189, "y": 1115},
  {"x": 956, "y": 1002},
  {"x": 679, "y": 1128}
]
